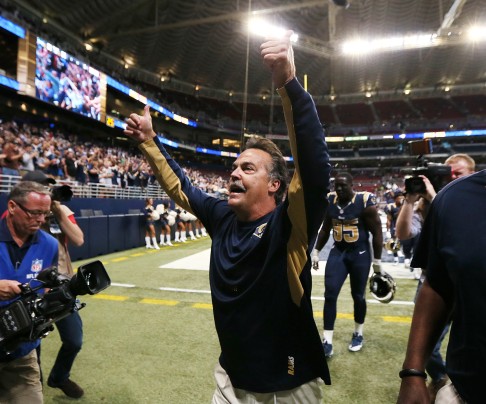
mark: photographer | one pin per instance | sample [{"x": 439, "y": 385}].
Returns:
[
  {"x": 409, "y": 225},
  {"x": 61, "y": 224},
  {"x": 25, "y": 251}
]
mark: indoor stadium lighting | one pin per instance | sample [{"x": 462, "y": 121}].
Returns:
[
  {"x": 364, "y": 46},
  {"x": 477, "y": 33},
  {"x": 260, "y": 27}
]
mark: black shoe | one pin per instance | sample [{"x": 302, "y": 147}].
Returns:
[{"x": 68, "y": 387}]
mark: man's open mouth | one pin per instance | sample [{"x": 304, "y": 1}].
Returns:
[{"x": 237, "y": 188}]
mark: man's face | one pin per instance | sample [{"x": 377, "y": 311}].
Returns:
[
  {"x": 343, "y": 188},
  {"x": 250, "y": 184},
  {"x": 459, "y": 169},
  {"x": 399, "y": 200},
  {"x": 28, "y": 216}
]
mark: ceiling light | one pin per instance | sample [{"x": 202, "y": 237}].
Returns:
[
  {"x": 127, "y": 62},
  {"x": 88, "y": 47},
  {"x": 363, "y": 46},
  {"x": 260, "y": 27},
  {"x": 477, "y": 33}
]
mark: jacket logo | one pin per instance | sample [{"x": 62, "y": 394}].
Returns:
[
  {"x": 36, "y": 265},
  {"x": 260, "y": 230}
]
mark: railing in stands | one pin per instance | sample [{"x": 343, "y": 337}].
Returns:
[{"x": 91, "y": 190}]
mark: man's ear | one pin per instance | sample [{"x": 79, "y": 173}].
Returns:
[
  {"x": 274, "y": 185},
  {"x": 10, "y": 206}
]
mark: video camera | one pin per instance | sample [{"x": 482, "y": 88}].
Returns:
[
  {"x": 61, "y": 193},
  {"x": 439, "y": 175},
  {"x": 32, "y": 316}
]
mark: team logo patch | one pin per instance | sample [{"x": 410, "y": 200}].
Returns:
[
  {"x": 36, "y": 266},
  {"x": 260, "y": 230}
]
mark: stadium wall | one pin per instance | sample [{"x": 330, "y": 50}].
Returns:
[{"x": 114, "y": 230}]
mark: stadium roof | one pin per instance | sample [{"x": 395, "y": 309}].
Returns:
[{"x": 206, "y": 43}]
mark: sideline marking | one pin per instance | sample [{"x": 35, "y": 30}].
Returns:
[
  {"x": 185, "y": 290},
  {"x": 160, "y": 301},
  {"x": 397, "y": 319},
  {"x": 209, "y": 306},
  {"x": 120, "y": 259},
  {"x": 318, "y": 298},
  {"x": 111, "y": 297}
]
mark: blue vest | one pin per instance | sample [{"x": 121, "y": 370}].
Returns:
[{"x": 41, "y": 254}]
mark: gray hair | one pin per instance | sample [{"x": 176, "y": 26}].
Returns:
[{"x": 20, "y": 191}]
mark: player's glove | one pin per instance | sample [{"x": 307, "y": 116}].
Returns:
[
  {"x": 377, "y": 269},
  {"x": 315, "y": 259},
  {"x": 388, "y": 235}
]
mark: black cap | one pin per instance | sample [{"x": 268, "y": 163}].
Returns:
[{"x": 38, "y": 176}]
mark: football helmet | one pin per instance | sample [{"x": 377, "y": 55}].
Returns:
[
  {"x": 383, "y": 287},
  {"x": 392, "y": 245}
]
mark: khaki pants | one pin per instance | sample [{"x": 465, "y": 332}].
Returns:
[
  {"x": 448, "y": 395},
  {"x": 20, "y": 381},
  {"x": 225, "y": 393}
]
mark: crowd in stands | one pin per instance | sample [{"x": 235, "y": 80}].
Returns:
[
  {"x": 25, "y": 147},
  {"x": 70, "y": 157}
]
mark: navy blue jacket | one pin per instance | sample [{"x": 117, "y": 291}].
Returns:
[{"x": 260, "y": 271}]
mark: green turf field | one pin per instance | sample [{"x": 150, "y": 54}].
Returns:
[{"x": 146, "y": 345}]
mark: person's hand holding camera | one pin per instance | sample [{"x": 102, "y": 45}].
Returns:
[
  {"x": 9, "y": 289},
  {"x": 429, "y": 189},
  {"x": 429, "y": 193},
  {"x": 56, "y": 208}
]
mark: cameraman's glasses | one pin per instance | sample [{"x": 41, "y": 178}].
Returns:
[{"x": 33, "y": 213}]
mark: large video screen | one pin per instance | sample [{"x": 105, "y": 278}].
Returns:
[{"x": 66, "y": 82}]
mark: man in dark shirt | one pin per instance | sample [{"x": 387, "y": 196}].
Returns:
[
  {"x": 260, "y": 257},
  {"x": 453, "y": 289}
]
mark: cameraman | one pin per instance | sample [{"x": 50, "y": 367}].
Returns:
[
  {"x": 409, "y": 225},
  {"x": 415, "y": 206},
  {"x": 61, "y": 224},
  {"x": 24, "y": 251}
]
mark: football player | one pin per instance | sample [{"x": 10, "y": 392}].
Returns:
[{"x": 352, "y": 216}]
